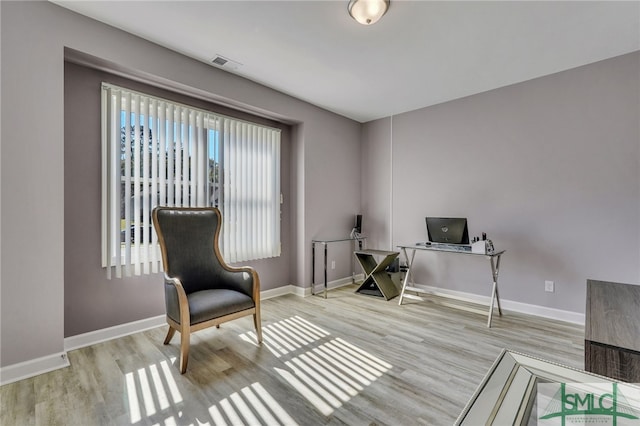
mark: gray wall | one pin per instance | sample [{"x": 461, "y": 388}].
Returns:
[
  {"x": 33, "y": 39},
  {"x": 549, "y": 168}
]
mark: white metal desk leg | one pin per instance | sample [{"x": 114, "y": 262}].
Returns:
[
  {"x": 495, "y": 270},
  {"x": 325, "y": 271},
  {"x": 406, "y": 276},
  {"x": 313, "y": 268},
  {"x": 353, "y": 269}
]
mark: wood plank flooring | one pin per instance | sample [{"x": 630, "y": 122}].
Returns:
[{"x": 347, "y": 360}]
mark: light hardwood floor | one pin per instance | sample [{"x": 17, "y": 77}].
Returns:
[{"x": 349, "y": 359}]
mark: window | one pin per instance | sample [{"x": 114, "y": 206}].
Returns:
[{"x": 158, "y": 152}]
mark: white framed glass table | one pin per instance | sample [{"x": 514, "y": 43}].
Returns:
[
  {"x": 358, "y": 244},
  {"x": 409, "y": 285}
]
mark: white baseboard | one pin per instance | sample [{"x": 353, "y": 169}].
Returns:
[
  {"x": 280, "y": 291},
  {"x": 31, "y": 368},
  {"x": 102, "y": 335},
  {"x": 508, "y": 305},
  {"x": 34, "y": 367},
  {"x": 331, "y": 285},
  {"x": 98, "y": 336},
  {"x": 542, "y": 311}
]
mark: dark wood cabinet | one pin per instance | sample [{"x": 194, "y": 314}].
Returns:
[{"x": 612, "y": 330}]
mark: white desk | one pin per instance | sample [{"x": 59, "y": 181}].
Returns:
[{"x": 494, "y": 260}]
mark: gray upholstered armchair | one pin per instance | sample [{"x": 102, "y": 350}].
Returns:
[{"x": 201, "y": 290}]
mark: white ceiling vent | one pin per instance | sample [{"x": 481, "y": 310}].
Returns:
[{"x": 226, "y": 63}]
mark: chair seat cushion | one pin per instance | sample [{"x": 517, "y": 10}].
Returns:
[{"x": 205, "y": 305}]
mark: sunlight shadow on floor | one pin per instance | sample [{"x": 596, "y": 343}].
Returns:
[{"x": 326, "y": 371}]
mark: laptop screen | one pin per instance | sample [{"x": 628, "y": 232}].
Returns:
[{"x": 450, "y": 230}]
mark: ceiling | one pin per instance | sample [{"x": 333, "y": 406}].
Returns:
[{"x": 420, "y": 53}]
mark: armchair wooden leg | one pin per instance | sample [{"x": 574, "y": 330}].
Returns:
[
  {"x": 184, "y": 349},
  {"x": 258, "y": 324},
  {"x": 170, "y": 334}
]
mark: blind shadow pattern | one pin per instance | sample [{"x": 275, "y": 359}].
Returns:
[
  {"x": 325, "y": 371},
  {"x": 153, "y": 390}
]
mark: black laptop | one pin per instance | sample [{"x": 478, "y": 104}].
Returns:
[{"x": 447, "y": 230}]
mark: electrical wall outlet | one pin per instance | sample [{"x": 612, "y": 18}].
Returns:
[
  {"x": 549, "y": 286},
  {"x": 333, "y": 264}
]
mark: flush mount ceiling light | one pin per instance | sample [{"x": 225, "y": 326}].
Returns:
[{"x": 368, "y": 12}]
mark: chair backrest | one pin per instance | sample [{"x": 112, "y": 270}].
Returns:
[{"x": 189, "y": 243}]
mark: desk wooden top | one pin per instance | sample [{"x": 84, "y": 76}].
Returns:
[
  {"x": 377, "y": 252},
  {"x": 613, "y": 314}
]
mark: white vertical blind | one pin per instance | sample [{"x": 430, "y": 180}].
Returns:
[
  {"x": 157, "y": 152},
  {"x": 156, "y": 166},
  {"x": 251, "y": 195}
]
